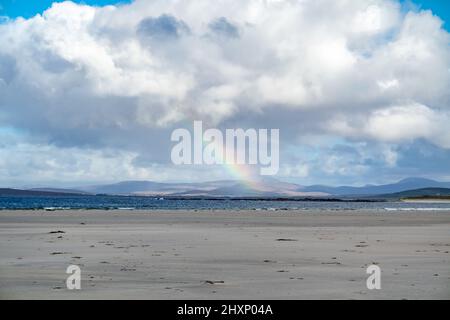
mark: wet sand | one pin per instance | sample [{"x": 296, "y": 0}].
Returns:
[{"x": 225, "y": 254}]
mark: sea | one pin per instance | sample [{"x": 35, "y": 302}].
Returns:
[{"x": 107, "y": 202}]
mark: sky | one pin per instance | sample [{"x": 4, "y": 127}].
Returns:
[
  {"x": 90, "y": 93},
  {"x": 29, "y": 8},
  {"x": 440, "y": 8}
]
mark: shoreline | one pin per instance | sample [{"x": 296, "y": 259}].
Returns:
[{"x": 268, "y": 209}]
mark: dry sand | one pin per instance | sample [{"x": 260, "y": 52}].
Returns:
[{"x": 225, "y": 255}]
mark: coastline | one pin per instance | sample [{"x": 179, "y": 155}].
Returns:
[
  {"x": 426, "y": 200},
  {"x": 221, "y": 254}
]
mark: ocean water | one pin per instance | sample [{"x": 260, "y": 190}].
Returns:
[{"x": 149, "y": 203}]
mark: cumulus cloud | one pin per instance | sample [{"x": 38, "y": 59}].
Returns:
[
  {"x": 122, "y": 77},
  {"x": 398, "y": 124}
]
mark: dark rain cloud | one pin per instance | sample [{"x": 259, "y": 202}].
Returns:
[
  {"x": 223, "y": 27},
  {"x": 164, "y": 27}
]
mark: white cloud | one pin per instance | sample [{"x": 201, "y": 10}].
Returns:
[
  {"x": 390, "y": 156},
  {"x": 397, "y": 124},
  {"x": 118, "y": 77}
]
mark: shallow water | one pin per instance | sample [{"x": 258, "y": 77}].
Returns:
[{"x": 132, "y": 203}]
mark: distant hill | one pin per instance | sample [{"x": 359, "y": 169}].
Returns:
[
  {"x": 31, "y": 193},
  {"x": 124, "y": 187},
  {"x": 59, "y": 190},
  {"x": 263, "y": 187},
  {"x": 420, "y": 193},
  {"x": 403, "y": 185}
]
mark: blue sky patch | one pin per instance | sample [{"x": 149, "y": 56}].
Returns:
[{"x": 29, "y": 8}]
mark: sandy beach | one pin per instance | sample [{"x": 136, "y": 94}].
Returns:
[{"x": 224, "y": 254}]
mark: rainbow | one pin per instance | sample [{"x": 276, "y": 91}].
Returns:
[
  {"x": 246, "y": 174},
  {"x": 241, "y": 172}
]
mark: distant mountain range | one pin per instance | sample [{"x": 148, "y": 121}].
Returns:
[
  {"x": 420, "y": 193},
  {"x": 403, "y": 185},
  {"x": 263, "y": 187}
]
